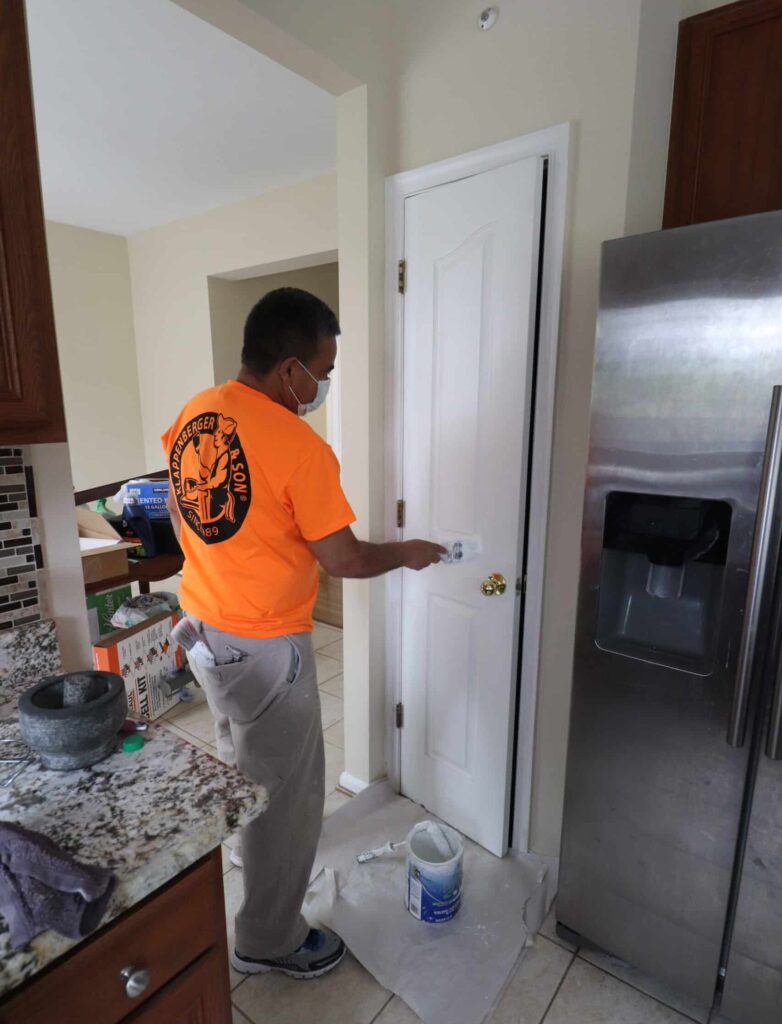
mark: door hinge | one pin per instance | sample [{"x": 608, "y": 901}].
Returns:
[
  {"x": 400, "y": 513},
  {"x": 402, "y": 276},
  {"x": 521, "y": 585},
  {"x": 399, "y": 715}
]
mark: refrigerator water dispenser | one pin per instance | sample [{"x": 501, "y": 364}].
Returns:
[{"x": 661, "y": 573}]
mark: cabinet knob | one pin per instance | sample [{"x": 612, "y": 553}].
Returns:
[{"x": 136, "y": 980}]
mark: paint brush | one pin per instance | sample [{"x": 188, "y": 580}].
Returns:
[{"x": 379, "y": 851}]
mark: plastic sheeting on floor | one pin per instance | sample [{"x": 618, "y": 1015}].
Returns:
[{"x": 449, "y": 973}]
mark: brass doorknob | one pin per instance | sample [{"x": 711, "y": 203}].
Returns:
[{"x": 494, "y": 585}]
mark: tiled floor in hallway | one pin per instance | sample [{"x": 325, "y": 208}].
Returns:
[{"x": 553, "y": 982}]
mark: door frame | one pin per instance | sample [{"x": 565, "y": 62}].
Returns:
[{"x": 552, "y": 144}]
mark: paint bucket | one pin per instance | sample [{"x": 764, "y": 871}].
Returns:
[{"x": 435, "y": 854}]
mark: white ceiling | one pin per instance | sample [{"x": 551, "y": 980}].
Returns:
[{"x": 146, "y": 114}]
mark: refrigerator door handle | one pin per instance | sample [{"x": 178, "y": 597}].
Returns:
[
  {"x": 774, "y": 740},
  {"x": 759, "y": 569}
]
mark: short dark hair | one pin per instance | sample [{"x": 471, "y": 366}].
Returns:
[{"x": 285, "y": 322}]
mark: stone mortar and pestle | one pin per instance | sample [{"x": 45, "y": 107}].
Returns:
[{"x": 71, "y": 721}]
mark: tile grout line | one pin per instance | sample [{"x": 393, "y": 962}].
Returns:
[
  {"x": 523, "y": 952},
  {"x": 382, "y": 1008},
  {"x": 242, "y": 1015},
  {"x": 244, "y": 979},
  {"x": 640, "y": 991},
  {"x": 197, "y": 741},
  {"x": 569, "y": 948},
  {"x": 573, "y": 958},
  {"x": 334, "y": 675}
]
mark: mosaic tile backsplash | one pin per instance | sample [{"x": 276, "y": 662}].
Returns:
[{"x": 20, "y": 601}]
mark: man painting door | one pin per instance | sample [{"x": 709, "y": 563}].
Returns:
[{"x": 257, "y": 502}]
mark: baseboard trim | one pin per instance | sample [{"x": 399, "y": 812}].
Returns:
[{"x": 351, "y": 784}]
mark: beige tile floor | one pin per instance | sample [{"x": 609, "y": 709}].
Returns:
[{"x": 553, "y": 982}]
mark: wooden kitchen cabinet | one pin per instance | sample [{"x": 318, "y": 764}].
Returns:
[
  {"x": 196, "y": 997},
  {"x": 725, "y": 154},
  {"x": 176, "y": 936},
  {"x": 31, "y": 404}
]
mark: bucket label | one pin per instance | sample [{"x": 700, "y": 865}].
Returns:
[{"x": 433, "y": 899}]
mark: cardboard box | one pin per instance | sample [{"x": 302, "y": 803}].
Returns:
[
  {"x": 141, "y": 655},
  {"x": 101, "y": 607},
  {"x": 104, "y": 555}
]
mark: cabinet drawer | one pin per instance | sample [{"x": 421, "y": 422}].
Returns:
[
  {"x": 165, "y": 934},
  {"x": 199, "y": 996}
]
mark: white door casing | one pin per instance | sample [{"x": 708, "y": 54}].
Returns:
[
  {"x": 334, "y": 409},
  {"x": 471, "y": 249},
  {"x": 551, "y": 144}
]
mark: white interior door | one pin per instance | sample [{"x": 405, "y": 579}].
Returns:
[{"x": 471, "y": 249}]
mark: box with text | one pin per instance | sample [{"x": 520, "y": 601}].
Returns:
[{"x": 142, "y": 655}]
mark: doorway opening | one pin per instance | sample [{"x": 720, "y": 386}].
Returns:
[
  {"x": 232, "y": 294},
  {"x": 231, "y": 297}
]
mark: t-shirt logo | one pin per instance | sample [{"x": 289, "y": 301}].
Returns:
[{"x": 210, "y": 477}]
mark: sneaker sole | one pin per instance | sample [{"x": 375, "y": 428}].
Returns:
[{"x": 247, "y": 967}]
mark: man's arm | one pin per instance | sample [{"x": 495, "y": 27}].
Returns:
[
  {"x": 173, "y": 508},
  {"x": 343, "y": 554}
]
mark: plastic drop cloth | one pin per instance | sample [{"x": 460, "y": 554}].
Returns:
[{"x": 449, "y": 973}]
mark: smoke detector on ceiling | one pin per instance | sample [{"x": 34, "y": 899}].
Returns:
[{"x": 487, "y": 18}]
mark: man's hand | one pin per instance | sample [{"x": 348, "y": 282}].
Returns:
[
  {"x": 420, "y": 554},
  {"x": 343, "y": 554}
]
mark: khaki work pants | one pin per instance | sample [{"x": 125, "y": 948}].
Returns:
[{"x": 267, "y": 722}]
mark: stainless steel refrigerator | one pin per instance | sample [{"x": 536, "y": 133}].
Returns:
[{"x": 672, "y": 847}]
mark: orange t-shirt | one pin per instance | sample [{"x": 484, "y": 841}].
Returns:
[{"x": 253, "y": 483}]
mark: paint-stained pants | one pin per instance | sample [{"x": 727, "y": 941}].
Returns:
[{"x": 267, "y": 722}]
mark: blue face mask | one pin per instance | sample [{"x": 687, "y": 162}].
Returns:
[{"x": 320, "y": 396}]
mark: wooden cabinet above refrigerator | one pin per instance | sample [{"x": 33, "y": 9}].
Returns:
[{"x": 725, "y": 154}]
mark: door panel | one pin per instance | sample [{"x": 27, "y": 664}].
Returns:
[
  {"x": 450, "y": 682},
  {"x": 753, "y": 986},
  {"x": 471, "y": 249},
  {"x": 458, "y": 305}
]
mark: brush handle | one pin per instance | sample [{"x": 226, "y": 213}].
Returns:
[{"x": 379, "y": 851}]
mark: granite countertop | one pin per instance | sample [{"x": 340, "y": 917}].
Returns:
[{"x": 148, "y": 816}]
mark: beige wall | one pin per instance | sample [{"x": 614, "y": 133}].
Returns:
[
  {"x": 693, "y": 7},
  {"x": 230, "y": 302},
  {"x": 435, "y": 86},
  {"x": 170, "y": 267},
  {"x": 543, "y": 64},
  {"x": 452, "y": 89},
  {"x": 658, "y": 33},
  {"x": 93, "y": 316}
]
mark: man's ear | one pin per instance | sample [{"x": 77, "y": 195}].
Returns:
[{"x": 285, "y": 368}]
